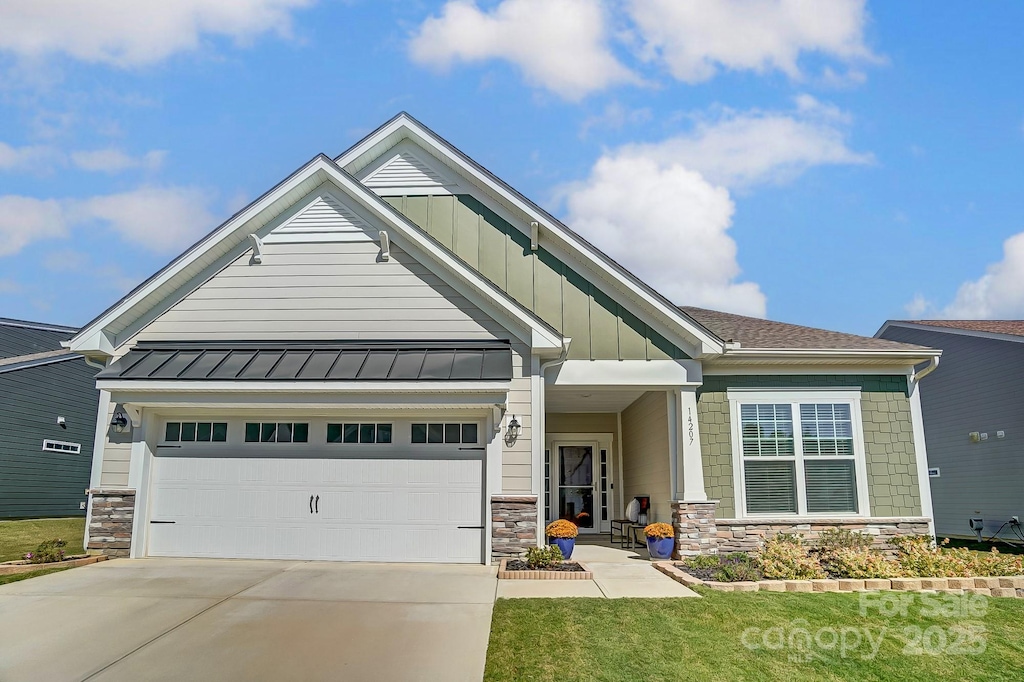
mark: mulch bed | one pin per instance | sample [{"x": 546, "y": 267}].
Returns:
[{"x": 566, "y": 566}]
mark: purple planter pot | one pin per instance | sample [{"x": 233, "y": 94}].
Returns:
[
  {"x": 661, "y": 548},
  {"x": 565, "y": 545}
]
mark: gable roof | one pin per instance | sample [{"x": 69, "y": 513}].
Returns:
[
  {"x": 1006, "y": 330},
  {"x": 211, "y": 253},
  {"x": 403, "y": 126},
  {"x": 756, "y": 333},
  {"x": 49, "y": 357}
]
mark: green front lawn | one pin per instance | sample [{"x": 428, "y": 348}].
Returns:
[
  {"x": 705, "y": 639},
  {"x": 18, "y": 537},
  {"x": 15, "y": 577}
]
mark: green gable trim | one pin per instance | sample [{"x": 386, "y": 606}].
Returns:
[
  {"x": 600, "y": 328},
  {"x": 888, "y": 436}
]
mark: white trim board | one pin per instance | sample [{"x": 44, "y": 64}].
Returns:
[{"x": 949, "y": 330}]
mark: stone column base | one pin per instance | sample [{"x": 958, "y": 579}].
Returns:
[
  {"x": 696, "y": 532},
  {"x": 513, "y": 525},
  {"x": 110, "y": 527}
]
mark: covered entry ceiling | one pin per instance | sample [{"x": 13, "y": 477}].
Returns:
[{"x": 577, "y": 399}]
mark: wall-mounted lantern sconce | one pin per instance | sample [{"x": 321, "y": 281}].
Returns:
[
  {"x": 120, "y": 422},
  {"x": 512, "y": 431}
]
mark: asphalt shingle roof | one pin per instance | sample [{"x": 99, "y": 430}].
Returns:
[
  {"x": 1011, "y": 327},
  {"x": 754, "y": 332}
]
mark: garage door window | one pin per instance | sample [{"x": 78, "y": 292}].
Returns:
[
  {"x": 276, "y": 432},
  {"x": 444, "y": 433},
  {"x": 196, "y": 432},
  {"x": 359, "y": 433}
]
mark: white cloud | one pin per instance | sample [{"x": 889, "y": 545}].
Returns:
[
  {"x": 109, "y": 276},
  {"x": 160, "y": 219},
  {"x": 743, "y": 149},
  {"x": 668, "y": 225},
  {"x": 695, "y": 38},
  {"x": 998, "y": 294},
  {"x": 34, "y": 158},
  {"x": 560, "y": 45},
  {"x": 24, "y": 220},
  {"x": 9, "y": 286},
  {"x": 128, "y": 34},
  {"x": 115, "y": 160},
  {"x": 613, "y": 117}
]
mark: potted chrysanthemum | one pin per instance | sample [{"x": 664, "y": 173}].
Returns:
[
  {"x": 562, "y": 533},
  {"x": 661, "y": 540}
]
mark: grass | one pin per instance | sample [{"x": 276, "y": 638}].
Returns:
[
  {"x": 703, "y": 639},
  {"x": 15, "y": 577},
  {"x": 18, "y": 537}
]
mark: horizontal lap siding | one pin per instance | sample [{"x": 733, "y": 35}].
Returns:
[
  {"x": 645, "y": 453},
  {"x": 516, "y": 466},
  {"x": 16, "y": 341},
  {"x": 975, "y": 388},
  {"x": 34, "y": 483},
  {"x": 888, "y": 437},
  {"x": 324, "y": 291}
]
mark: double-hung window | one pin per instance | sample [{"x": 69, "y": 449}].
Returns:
[{"x": 798, "y": 453}]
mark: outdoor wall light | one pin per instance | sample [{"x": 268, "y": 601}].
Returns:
[
  {"x": 119, "y": 423},
  {"x": 512, "y": 432}
]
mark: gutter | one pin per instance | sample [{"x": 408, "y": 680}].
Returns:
[{"x": 916, "y": 377}]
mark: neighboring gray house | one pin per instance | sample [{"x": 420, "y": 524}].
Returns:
[
  {"x": 973, "y": 411},
  {"x": 48, "y": 402}
]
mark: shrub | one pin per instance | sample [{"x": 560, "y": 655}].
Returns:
[
  {"x": 548, "y": 556},
  {"x": 659, "y": 530},
  {"x": 702, "y": 561},
  {"x": 994, "y": 563},
  {"x": 834, "y": 539},
  {"x": 562, "y": 529},
  {"x": 47, "y": 552},
  {"x": 850, "y": 562},
  {"x": 917, "y": 556},
  {"x": 736, "y": 567},
  {"x": 784, "y": 557}
]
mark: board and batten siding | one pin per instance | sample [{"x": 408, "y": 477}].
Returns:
[
  {"x": 600, "y": 328},
  {"x": 645, "y": 453},
  {"x": 976, "y": 387},
  {"x": 888, "y": 437},
  {"x": 323, "y": 291},
  {"x": 34, "y": 482}
]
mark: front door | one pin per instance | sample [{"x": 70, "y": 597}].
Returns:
[{"x": 576, "y": 486}]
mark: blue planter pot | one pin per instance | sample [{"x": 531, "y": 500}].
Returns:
[
  {"x": 565, "y": 545},
  {"x": 661, "y": 548}
]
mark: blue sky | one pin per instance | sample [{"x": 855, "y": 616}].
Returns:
[{"x": 830, "y": 164}]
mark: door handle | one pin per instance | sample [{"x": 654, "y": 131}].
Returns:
[
  {"x": 310, "y": 504},
  {"x": 470, "y": 527},
  {"x": 317, "y": 504}
]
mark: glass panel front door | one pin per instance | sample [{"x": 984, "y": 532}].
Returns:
[{"x": 576, "y": 484}]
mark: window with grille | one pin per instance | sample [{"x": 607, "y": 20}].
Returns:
[
  {"x": 799, "y": 456},
  {"x": 62, "y": 446},
  {"x": 196, "y": 432},
  {"x": 276, "y": 432},
  {"x": 359, "y": 433},
  {"x": 445, "y": 433}
]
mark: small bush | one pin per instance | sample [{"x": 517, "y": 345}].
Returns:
[
  {"x": 48, "y": 552},
  {"x": 784, "y": 557},
  {"x": 834, "y": 539},
  {"x": 736, "y": 567},
  {"x": 659, "y": 530},
  {"x": 548, "y": 556},
  {"x": 702, "y": 561},
  {"x": 850, "y": 562},
  {"x": 562, "y": 529}
]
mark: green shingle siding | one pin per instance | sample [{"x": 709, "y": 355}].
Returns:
[
  {"x": 888, "y": 437},
  {"x": 34, "y": 483},
  {"x": 600, "y": 328}
]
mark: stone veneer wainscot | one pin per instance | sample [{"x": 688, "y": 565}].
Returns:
[
  {"x": 746, "y": 535},
  {"x": 110, "y": 526},
  {"x": 513, "y": 525}
]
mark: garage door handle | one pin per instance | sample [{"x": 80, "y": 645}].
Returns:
[
  {"x": 471, "y": 527},
  {"x": 162, "y": 522},
  {"x": 310, "y": 504},
  {"x": 317, "y": 504}
]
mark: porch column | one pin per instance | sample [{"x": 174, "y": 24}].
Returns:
[{"x": 691, "y": 468}]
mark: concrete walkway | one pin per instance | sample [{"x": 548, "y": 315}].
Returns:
[
  {"x": 191, "y": 619},
  {"x": 617, "y": 573}
]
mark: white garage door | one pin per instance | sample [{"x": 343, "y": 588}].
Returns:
[{"x": 379, "y": 509}]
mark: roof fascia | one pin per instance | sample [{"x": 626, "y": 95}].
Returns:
[
  {"x": 950, "y": 330},
  {"x": 28, "y": 364},
  {"x": 705, "y": 341},
  {"x": 911, "y": 355}
]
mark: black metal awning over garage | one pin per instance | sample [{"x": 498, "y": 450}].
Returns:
[{"x": 316, "y": 361}]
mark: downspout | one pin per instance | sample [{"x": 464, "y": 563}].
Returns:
[
  {"x": 920, "y": 448},
  {"x": 92, "y": 363},
  {"x": 101, "y": 418},
  {"x": 541, "y": 420},
  {"x": 916, "y": 377}
]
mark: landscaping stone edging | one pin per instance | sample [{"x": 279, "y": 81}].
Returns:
[
  {"x": 1004, "y": 586},
  {"x": 504, "y": 574},
  {"x": 25, "y": 567}
]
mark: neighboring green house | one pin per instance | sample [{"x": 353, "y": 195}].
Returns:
[
  {"x": 48, "y": 402},
  {"x": 394, "y": 356}
]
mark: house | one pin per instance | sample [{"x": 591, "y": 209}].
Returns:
[
  {"x": 392, "y": 355},
  {"x": 48, "y": 403},
  {"x": 974, "y": 421}
]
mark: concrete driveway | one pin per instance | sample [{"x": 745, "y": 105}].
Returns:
[{"x": 197, "y": 619}]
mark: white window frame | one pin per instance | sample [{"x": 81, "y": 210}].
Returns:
[
  {"x": 796, "y": 397},
  {"x": 50, "y": 445}
]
